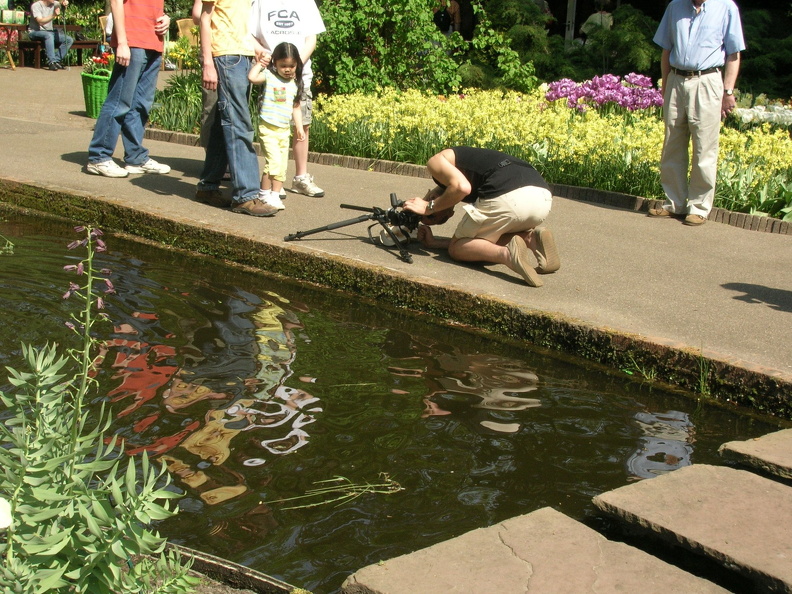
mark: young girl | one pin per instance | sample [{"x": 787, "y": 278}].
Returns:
[{"x": 280, "y": 104}]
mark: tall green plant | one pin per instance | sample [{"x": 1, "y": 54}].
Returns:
[
  {"x": 80, "y": 509},
  {"x": 178, "y": 106},
  {"x": 371, "y": 44}
]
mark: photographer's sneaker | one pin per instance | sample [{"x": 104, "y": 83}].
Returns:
[
  {"x": 271, "y": 198},
  {"x": 305, "y": 185},
  {"x": 150, "y": 166},
  {"x": 107, "y": 168}
]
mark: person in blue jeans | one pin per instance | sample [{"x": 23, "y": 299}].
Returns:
[
  {"x": 42, "y": 18},
  {"x": 227, "y": 56},
  {"x": 131, "y": 89}
]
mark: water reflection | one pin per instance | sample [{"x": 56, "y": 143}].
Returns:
[
  {"x": 191, "y": 417},
  {"x": 666, "y": 444}
]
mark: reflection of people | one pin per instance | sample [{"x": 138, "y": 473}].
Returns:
[
  {"x": 601, "y": 19},
  {"x": 491, "y": 383},
  {"x": 42, "y": 16},
  {"x": 505, "y": 199},
  {"x": 699, "y": 39},
  {"x": 278, "y": 107},
  {"x": 298, "y": 22},
  {"x": 138, "y": 33}
]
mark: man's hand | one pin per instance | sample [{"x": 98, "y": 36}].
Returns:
[
  {"x": 263, "y": 55},
  {"x": 209, "y": 76},
  {"x": 416, "y": 205},
  {"x": 727, "y": 105},
  {"x": 162, "y": 25},
  {"x": 123, "y": 54},
  {"x": 425, "y": 236}
]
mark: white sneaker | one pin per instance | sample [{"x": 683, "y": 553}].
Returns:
[
  {"x": 106, "y": 168},
  {"x": 305, "y": 185},
  {"x": 282, "y": 194},
  {"x": 150, "y": 166},
  {"x": 273, "y": 199}
]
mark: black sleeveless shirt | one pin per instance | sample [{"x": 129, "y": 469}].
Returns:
[{"x": 493, "y": 173}]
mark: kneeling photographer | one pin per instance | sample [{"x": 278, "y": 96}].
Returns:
[{"x": 504, "y": 200}]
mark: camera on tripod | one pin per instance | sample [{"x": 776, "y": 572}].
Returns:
[
  {"x": 397, "y": 225},
  {"x": 398, "y": 217}
]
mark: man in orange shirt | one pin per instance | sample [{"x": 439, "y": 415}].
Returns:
[{"x": 138, "y": 33}]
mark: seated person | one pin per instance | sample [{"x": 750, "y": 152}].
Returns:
[
  {"x": 42, "y": 18},
  {"x": 505, "y": 199},
  {"x": 599, "y": 20}
]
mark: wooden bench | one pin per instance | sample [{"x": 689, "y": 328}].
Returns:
[{"x": 27, "y": 45}]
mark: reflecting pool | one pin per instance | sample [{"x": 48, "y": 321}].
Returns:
[{"x": 253, "y": 389}]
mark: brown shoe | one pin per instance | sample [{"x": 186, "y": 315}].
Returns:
[
  {"x": 694, "y": 220},
  {"x": 546, "y": 251},
  {"x": 212, "y": 198},
  {"x": 256, "y": 208},
  {"x": 658, "y": 212},
  {"x": 520, "y": 260}
]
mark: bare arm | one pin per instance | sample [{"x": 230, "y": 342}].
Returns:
[
  {"x": 209, "y": 72},
  {"x": 730, "y": 71},
  {"x": 299, "y": 131},
  {"x": 308, "y": 48},
  {"x": 257, "y": 74},
  {"x": 442, "y": 167},
  {"x": 123, "y": 52},
  {"x": 195, "y": 13},
  {"x": 665, "y": 68}
]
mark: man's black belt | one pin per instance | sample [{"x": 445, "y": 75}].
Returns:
[{"x": 689, "y": 73}]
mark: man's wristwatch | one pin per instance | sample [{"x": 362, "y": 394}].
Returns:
[
  {"x": 728, "y": 92},
  {"x": 431, "y": 206}
]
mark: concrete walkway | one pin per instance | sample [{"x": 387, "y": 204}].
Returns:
[{"x": 630, "y": 288}]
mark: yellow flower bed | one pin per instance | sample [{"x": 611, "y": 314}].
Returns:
[{"x": 610, "y": 149}]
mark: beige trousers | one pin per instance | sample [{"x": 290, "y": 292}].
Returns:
[{"x": 692, "y": 116}]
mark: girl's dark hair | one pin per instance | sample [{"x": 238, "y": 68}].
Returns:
[{"x": 289, "y": 50}]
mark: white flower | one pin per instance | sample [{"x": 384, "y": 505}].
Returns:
[{"x": 5, "y": 514}]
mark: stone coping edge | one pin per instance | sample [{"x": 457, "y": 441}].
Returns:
[
  {"x": 617, "y": 199},
  {"x": 727, "y": 381}
]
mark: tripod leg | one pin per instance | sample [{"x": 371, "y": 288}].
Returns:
[
  {"x": 402, "y": 245},
  {"x": 330, "y": 227}
]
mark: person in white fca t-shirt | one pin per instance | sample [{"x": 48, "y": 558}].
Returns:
[{"x": 298, "y": 22}]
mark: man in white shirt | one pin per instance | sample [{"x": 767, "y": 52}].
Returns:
[{"x": 297, "y": 22}]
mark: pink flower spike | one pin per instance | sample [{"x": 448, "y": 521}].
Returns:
[{"x": 99, "y": 303}]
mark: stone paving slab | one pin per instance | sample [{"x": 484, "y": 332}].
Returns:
[
  {"x": 734, "y": 517},
  {"x": 544, "y": 551},
  {"x": 770, "y": 453}
]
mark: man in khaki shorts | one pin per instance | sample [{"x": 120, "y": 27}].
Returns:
[{"x": 504, "y": 199}]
